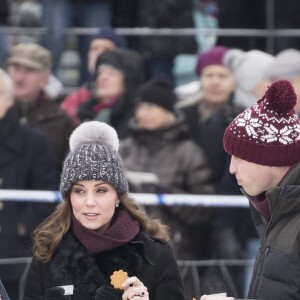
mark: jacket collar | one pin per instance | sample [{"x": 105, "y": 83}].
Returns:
[
  {"x": 72, "y": 265},
  {"x": 145, "y": 242},
  {"x": 284, "y": 199}
]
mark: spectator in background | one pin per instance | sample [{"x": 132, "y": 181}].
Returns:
[
  {"x": 118, "y": 73},
  {"x": 58, "y": 15},
  {"x": 159, "y": 147},
  {"x": 249, "y": 69},
  {"x": 286, "y": 65},
  {"x": 158, "y": 51},
  {"x": 25, "y": 163},
  {"x": 212, "y": 110},
  {"x": 105, "y": 40},
  {"x": 208, "y": 116},
  {"x": 29, "y": 67}
]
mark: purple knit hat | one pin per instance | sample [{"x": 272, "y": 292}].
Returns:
[
  {"x": 213, "y": 56},
  {"x": 267, "y": 133}
]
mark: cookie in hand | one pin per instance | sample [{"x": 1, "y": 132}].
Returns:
[{"x": 117, "y": 278}]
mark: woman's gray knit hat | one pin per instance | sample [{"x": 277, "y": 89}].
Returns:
[{"x": 93, "y": 155}]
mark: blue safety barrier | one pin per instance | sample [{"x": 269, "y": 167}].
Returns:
[{"x": 143, "y": 199}]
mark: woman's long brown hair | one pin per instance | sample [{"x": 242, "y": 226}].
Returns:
[{"x": 49, "y": 233}]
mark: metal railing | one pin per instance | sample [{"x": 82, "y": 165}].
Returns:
[
  {"x": 269, "y": 34},
  {"x": 188, "y": 268}
]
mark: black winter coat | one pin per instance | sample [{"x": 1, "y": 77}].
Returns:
[
  {"x": 25, "y": 163},
  {"x": 151, "y": 260},
  {"x": 277, "y": 266},
  {"x": 209, "y": 135}
]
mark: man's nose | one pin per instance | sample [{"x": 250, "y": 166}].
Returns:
[{"x": 232, "y": 167}]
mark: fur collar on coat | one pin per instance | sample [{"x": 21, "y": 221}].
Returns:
[{"x": 72, "y": 265}]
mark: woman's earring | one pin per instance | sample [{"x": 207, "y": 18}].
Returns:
[{"x": 117, "y": 204}]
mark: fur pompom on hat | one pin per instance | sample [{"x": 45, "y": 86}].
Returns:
[
  {"x": 93, "y": 156},
  {"x": 267, "y": 133}
]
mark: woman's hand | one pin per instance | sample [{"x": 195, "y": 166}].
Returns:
[{"x": 134, "y": 289}]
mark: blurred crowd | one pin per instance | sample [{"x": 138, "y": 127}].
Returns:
[{"x": 169, "y": 99}]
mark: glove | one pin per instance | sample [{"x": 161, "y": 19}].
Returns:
[
  {"x": 108, "y": 293},
  {"x": 56, "y": 293},
  {"x": 85, "y": 111}
]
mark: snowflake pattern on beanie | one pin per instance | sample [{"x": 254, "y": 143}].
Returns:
[
  {"x": 268, "y": 132},
  {"x": 261, "y": 127}
]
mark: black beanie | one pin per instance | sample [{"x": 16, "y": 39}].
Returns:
[
  {"x": 127, "y": 61},
  {"x": 112, "y": 58},
  {"x": 158, "y": 91}
]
